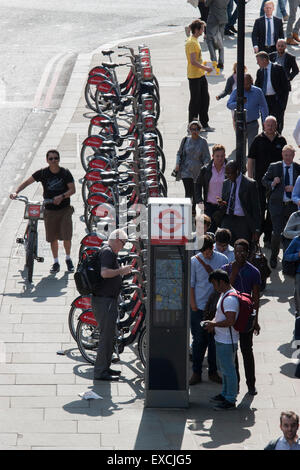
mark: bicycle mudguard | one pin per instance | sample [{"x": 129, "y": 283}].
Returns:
[
  {"x": 88, "y": 317},
  {"x": 98, "y": 198},
  {"x": 82, "y": 301},
  {"x": 92, "y": 239},
  {"x": 100, "y": 163},
  {"x": 94, "y": 141},
  {"x": 98, "y": 187},
  {"x": 104, "y": 210},
  {"x": 100, "y": 70}
]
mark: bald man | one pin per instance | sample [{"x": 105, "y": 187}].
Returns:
[{"x": 286, "y": 60}]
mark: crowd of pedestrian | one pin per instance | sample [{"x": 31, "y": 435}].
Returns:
[{"x": 241, "y": 205}]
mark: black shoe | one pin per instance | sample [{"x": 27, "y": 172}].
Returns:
[
  {"x": 220, "y": 66},
  {"x": 228, "y": 33},
  {"x": 106, "y": 376},
  {"x": 55, "y": 268},
  {"x": 70, "y": 265},
  {"x": 217, "y": 399},
  {"x": 232, "y": 29},
  {"x": 114, "y": 372},
  {"x": 224, "y": 405},
  {"x": 252, "y": 391}
]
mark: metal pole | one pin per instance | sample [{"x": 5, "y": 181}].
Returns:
[{"x": 240, "y": 112}]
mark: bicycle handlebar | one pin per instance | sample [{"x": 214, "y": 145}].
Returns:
[{"x": 26, "y": 200}]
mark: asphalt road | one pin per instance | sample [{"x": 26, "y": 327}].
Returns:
[{"x": 39, "y": 44}]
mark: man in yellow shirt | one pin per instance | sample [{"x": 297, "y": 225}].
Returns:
[{"x": 199, "y": 96}]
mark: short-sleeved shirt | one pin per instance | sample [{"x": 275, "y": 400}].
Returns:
[
  {"x": 192, "y": 45},
  {"x": 109, "y": 287},
  {"x": 230, "y": 304},
  {"x": 54, "y": 184},
  {"x": 199, "y": 277},
  {"x": 248, "y": 276},
  {"x": 265, "y": 151}
]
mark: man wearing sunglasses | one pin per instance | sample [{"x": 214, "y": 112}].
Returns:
[{"x": 58, "y": 184}]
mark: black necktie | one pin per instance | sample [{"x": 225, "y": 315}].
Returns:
[
  {"x": 287, "y": 181},
  {"x": 231, "y": 203}
]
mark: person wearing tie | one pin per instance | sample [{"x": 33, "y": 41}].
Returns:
[
  {"x": 280, "y": 180},
  {"x": 267, "y": 30},
  {"x": 273, "y": 81},
  {"x": 240, "y": 203}
]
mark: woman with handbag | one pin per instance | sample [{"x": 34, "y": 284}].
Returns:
[{"x": 192, "y": 155}]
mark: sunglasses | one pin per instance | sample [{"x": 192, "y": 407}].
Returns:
[
  {"x": 50, "y": 159},
  {"x": 122, "y": 241},
  {"x": 194, "y": 129}
]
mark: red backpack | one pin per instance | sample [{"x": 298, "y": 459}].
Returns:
[{"x": 245, "y": 320}]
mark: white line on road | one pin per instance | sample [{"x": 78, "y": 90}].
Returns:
[
  {"x": 57, "y": 72},
  {"x": 44, "y": 79}
]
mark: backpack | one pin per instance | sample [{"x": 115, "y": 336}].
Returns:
[
  {"x": 88, "y": 274},
  {"x": 245, "y": 320}
]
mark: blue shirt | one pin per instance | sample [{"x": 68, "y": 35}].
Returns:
[
  {"x": 292, "y": 252},
  {"x": 296, "y": 191},
  {"x": 255, "y": 104},
  {"x": 248, "y": 277},
  {"x": 199, "y": 276}
]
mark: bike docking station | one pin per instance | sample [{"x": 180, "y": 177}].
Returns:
[{"x": 168, "y": 303}]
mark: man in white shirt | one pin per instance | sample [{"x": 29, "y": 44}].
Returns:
[{"x": 226, "y": 339}]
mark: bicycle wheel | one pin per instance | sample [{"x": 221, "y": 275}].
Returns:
[
  {"x": 161, "y": 159},
  {"x": 30, "y": 254},
  {"x": 87, "y": 337},
  {"x": 73, "y": 316},
  {"x": 142, "y": 346}
]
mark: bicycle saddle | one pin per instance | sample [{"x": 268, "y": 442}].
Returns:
[
  {"x": 107, "y": 52},
  {"x": 110, "y": 65}
]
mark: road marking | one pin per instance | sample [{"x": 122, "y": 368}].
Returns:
[
  {"x": 44, "y": 79},
  {"x": 57, "y": 72}
]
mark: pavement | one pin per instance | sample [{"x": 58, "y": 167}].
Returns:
[{"x": 40, "y": 406}]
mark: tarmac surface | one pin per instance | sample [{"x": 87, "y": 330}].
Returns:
[{"x": 39, "y": 403}]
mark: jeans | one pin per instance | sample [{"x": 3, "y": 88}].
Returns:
[
  {"x": 202, "y": 340},
  {"x": 226, "y": 364},
  {"x": 291, "y": 26},
  {"x": 232, "y": 17},
  {"x": 297, "y": 293}
]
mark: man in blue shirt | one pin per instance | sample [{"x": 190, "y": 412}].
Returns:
[
  {"x": 255, "y": 105},
  {"x": 201, "y": 266}
]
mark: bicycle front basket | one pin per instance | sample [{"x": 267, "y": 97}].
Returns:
[{"x": 34, "y": 211}]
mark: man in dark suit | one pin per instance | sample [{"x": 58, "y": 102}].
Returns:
[
  {"x": 240, "y": 201},
  {"x": 272, "y": 79},
  {"x": 279, "y": 180},
  {"x": 267, "y": 30},
  {"x": 286, "y": 60}
]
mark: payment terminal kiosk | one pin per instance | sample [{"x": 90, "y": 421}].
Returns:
[{"x": 168, "y": 305}]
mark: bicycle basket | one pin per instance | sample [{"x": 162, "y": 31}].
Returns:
[{"x": 34, "y": 211}]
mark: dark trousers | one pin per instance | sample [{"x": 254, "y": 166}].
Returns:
[
  {"x": 266, "y": 222},
  {"x": 203, "y": 11},
  {"x": 199, "y": 100},
  {"x": 105, "y": 310},
  {"x": 246, "y": 346},
  {"x": 210, "y": 209},
  {"x": 279, "y": 221},
  {"x": 189, "y": 188},
  {"x": 276, "y": 109},
  {"x": 238, "y": 227},
  {"x": 202, "y": 340}
]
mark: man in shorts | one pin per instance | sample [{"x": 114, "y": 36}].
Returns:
[{"x": 58, "y": 184}]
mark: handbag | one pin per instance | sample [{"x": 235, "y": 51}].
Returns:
[
  {"x": 177, "y": 174},
  {"x": 258, "y": 259}
]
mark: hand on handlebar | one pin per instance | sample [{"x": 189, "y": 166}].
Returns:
[{"x": 13, "y": 195}]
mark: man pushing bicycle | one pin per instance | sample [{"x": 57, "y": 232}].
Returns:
[{"x": 58, "y": 184}]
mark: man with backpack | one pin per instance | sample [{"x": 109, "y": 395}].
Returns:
[
  {"x": 105, "y": 303},
  {"x": 226, "y": 338},
  {"x": 245, "y": 277}
]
